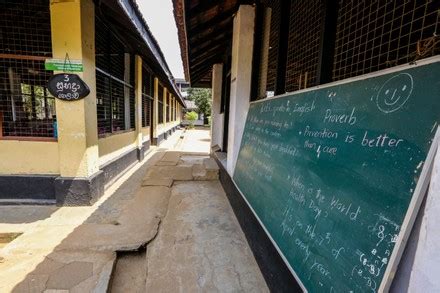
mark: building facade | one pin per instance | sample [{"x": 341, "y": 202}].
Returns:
[
  {"x": 69, "y": 151},
  {"x": 255, "y": 50}
]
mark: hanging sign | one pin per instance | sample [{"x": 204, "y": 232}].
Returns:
[
  {"x": 61, "y": 65},
  {"x": 67, "y": 87}
]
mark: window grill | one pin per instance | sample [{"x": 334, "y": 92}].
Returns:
[
  {"x": 275, "y": 5},
  {"x": 160, "y": 105},
  {"x": 132, "y": 108},
  {"x": 147, "y": 106},
  {"x": 132, "y": 93},
  {"x": 373, "y": 35},
  {"x": 168, "y": 103},
  {"x": 114, "y": 82},
  {"x": 305, "y": 28},
  {"x": 173, "y": 105},
  {"x": 26, "y": 107},
  {"x": 147, "y": 97}
]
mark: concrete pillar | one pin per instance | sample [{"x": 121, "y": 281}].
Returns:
[
  {"x": 216, "y": 117},
  {"x": 138, "y": 106},
  {"x": 241, "y": 74},
  {"x": 77, "y": 121},
  {"x": 155, "y": 111}
]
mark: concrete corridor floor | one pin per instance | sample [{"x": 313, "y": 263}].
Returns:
[{"x": 166, "y": 226}]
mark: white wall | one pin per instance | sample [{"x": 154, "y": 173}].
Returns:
[
  {"x": 419, "y": 268},
  {"x": 241, "y": 73},
  {"x": 426, "y": 269}
]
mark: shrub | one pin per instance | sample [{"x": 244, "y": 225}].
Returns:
[{"x": 191, "y": 117}]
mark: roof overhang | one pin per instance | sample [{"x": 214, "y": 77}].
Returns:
[
  {"x": 205, "y": 34},
  {"x": 126, "y": 16}
]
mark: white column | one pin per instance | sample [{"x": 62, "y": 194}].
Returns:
[
  {"x": 241, "y": 73},
  {"x": 216, "y": 117}
]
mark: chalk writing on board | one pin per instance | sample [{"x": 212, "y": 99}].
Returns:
[
  {"x": 68, "y": 87},
  {"x": 330, "y": 173},
  {"x": 332, "y": 117},
  {"x": 395, "y": 92}
]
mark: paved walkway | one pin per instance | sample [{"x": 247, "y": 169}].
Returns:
[{"x": 165, "y": 226}]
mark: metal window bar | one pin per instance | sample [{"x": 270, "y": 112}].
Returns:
[
  {"x": 303, "y": 48},
  {"x": 26, "y": 107},
  {"x": 374, "y": 35}
]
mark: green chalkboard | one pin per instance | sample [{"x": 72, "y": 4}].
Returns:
[{"x": 332, "y": 173}]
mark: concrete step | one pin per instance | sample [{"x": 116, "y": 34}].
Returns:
[{"x": 206, "y": 171}]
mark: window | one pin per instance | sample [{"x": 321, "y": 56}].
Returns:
[
  {"x": 173, "y": 117},
  {"x": 114, "y": 82},
  {"x": 329, "y": 41},
  {"x": 274, "y": 39},
  {"x": 147, "y": 97},
  {"x": 27, "y": 109},
  {"x": 304, "y": 44},
  {"x": 160, "y": 105},
  {"x": 374, "y": 35},
  {"x": 168, "y": 103}
]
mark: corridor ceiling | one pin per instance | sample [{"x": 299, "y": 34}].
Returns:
[{"x": 205, "y": 34}]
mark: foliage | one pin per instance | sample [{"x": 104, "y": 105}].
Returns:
[
  {"x": 191, "y": 117},
  {"x": 203, "y": 99}
]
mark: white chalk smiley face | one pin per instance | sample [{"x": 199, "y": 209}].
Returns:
[
  {"x": 390, "y": 101},
  {"x": 394, "y": 93}
]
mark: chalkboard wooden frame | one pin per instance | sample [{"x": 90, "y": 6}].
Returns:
[{"x": 418, "y": 194}]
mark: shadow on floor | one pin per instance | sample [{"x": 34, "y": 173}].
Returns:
[
  {"x": 22, "y": 214},
  {"x": 73, "y": 270}
]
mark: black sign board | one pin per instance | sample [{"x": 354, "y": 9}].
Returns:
[{"x": 68, "y": 87}]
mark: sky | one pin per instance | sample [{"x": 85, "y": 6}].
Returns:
[{"x": 160, "y": 19}]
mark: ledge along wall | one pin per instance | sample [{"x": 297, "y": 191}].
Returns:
[{"x": 336, "y": 174}]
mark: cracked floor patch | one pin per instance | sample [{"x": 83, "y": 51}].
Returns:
[{"x": 200, "y": 246}]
